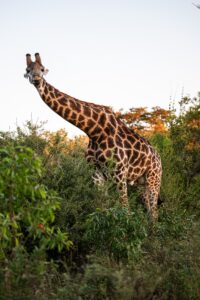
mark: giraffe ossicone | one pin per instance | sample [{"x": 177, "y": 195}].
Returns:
[{"x": 136, "y": 161}]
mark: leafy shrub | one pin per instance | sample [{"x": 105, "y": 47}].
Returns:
[
  {"x": 27, "y": 206},
  {"x": 99, "y": 282},
  {"x": 116, "y": 231},
  {"x": 46, "y": 202},
  {"x": 192, "y": 201},
  {"x": 184, "y": 133},
  {"x": 27, "y": 276}
]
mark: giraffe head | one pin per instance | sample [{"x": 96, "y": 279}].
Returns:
[{"x": 34, "y": 70}]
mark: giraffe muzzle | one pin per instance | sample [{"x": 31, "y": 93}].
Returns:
[{"x": 36, "y": 79}]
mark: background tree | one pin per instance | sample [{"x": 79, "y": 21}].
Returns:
[{"x": 147, "y": 122}]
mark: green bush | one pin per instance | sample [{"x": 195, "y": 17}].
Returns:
[
  {"x": 27, "y": 206},
  {"x": 27, "y": 276},
  {"x": 116, "y": 231},
  {"x": 48, "y": 200}
]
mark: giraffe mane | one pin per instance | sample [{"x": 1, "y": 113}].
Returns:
[{"x": 107, "y": 109}]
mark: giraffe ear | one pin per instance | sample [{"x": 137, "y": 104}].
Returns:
[
  {"x": 28, "y": 60},
  {"x": 37, "y": 58}
]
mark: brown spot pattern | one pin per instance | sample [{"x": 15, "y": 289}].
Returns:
[{"x": 133, "y": 155}]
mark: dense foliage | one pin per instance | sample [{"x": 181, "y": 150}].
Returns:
[{"x": 62, "y": 238}]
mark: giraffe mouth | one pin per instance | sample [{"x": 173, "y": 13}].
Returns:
[{"x": 36, "y": 82}]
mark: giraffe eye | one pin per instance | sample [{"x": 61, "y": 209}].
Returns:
[
  {"x": 28, "y": 70},
  {"x": 42, "y": 69}
]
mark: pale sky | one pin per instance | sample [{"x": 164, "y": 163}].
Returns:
[{"x": 121, "y": 53}]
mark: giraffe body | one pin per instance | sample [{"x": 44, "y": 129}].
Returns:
[{"x": 136, "y": 162}]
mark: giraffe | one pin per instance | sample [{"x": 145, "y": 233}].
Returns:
[{"x": 136, "y": 161}]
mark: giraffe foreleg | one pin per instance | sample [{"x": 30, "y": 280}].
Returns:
[
  {"x": 121, "y": 180},
  {"x": 123, "y": 194}
]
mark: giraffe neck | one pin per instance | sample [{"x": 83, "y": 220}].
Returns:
[{"x": 88, "y": 117}]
